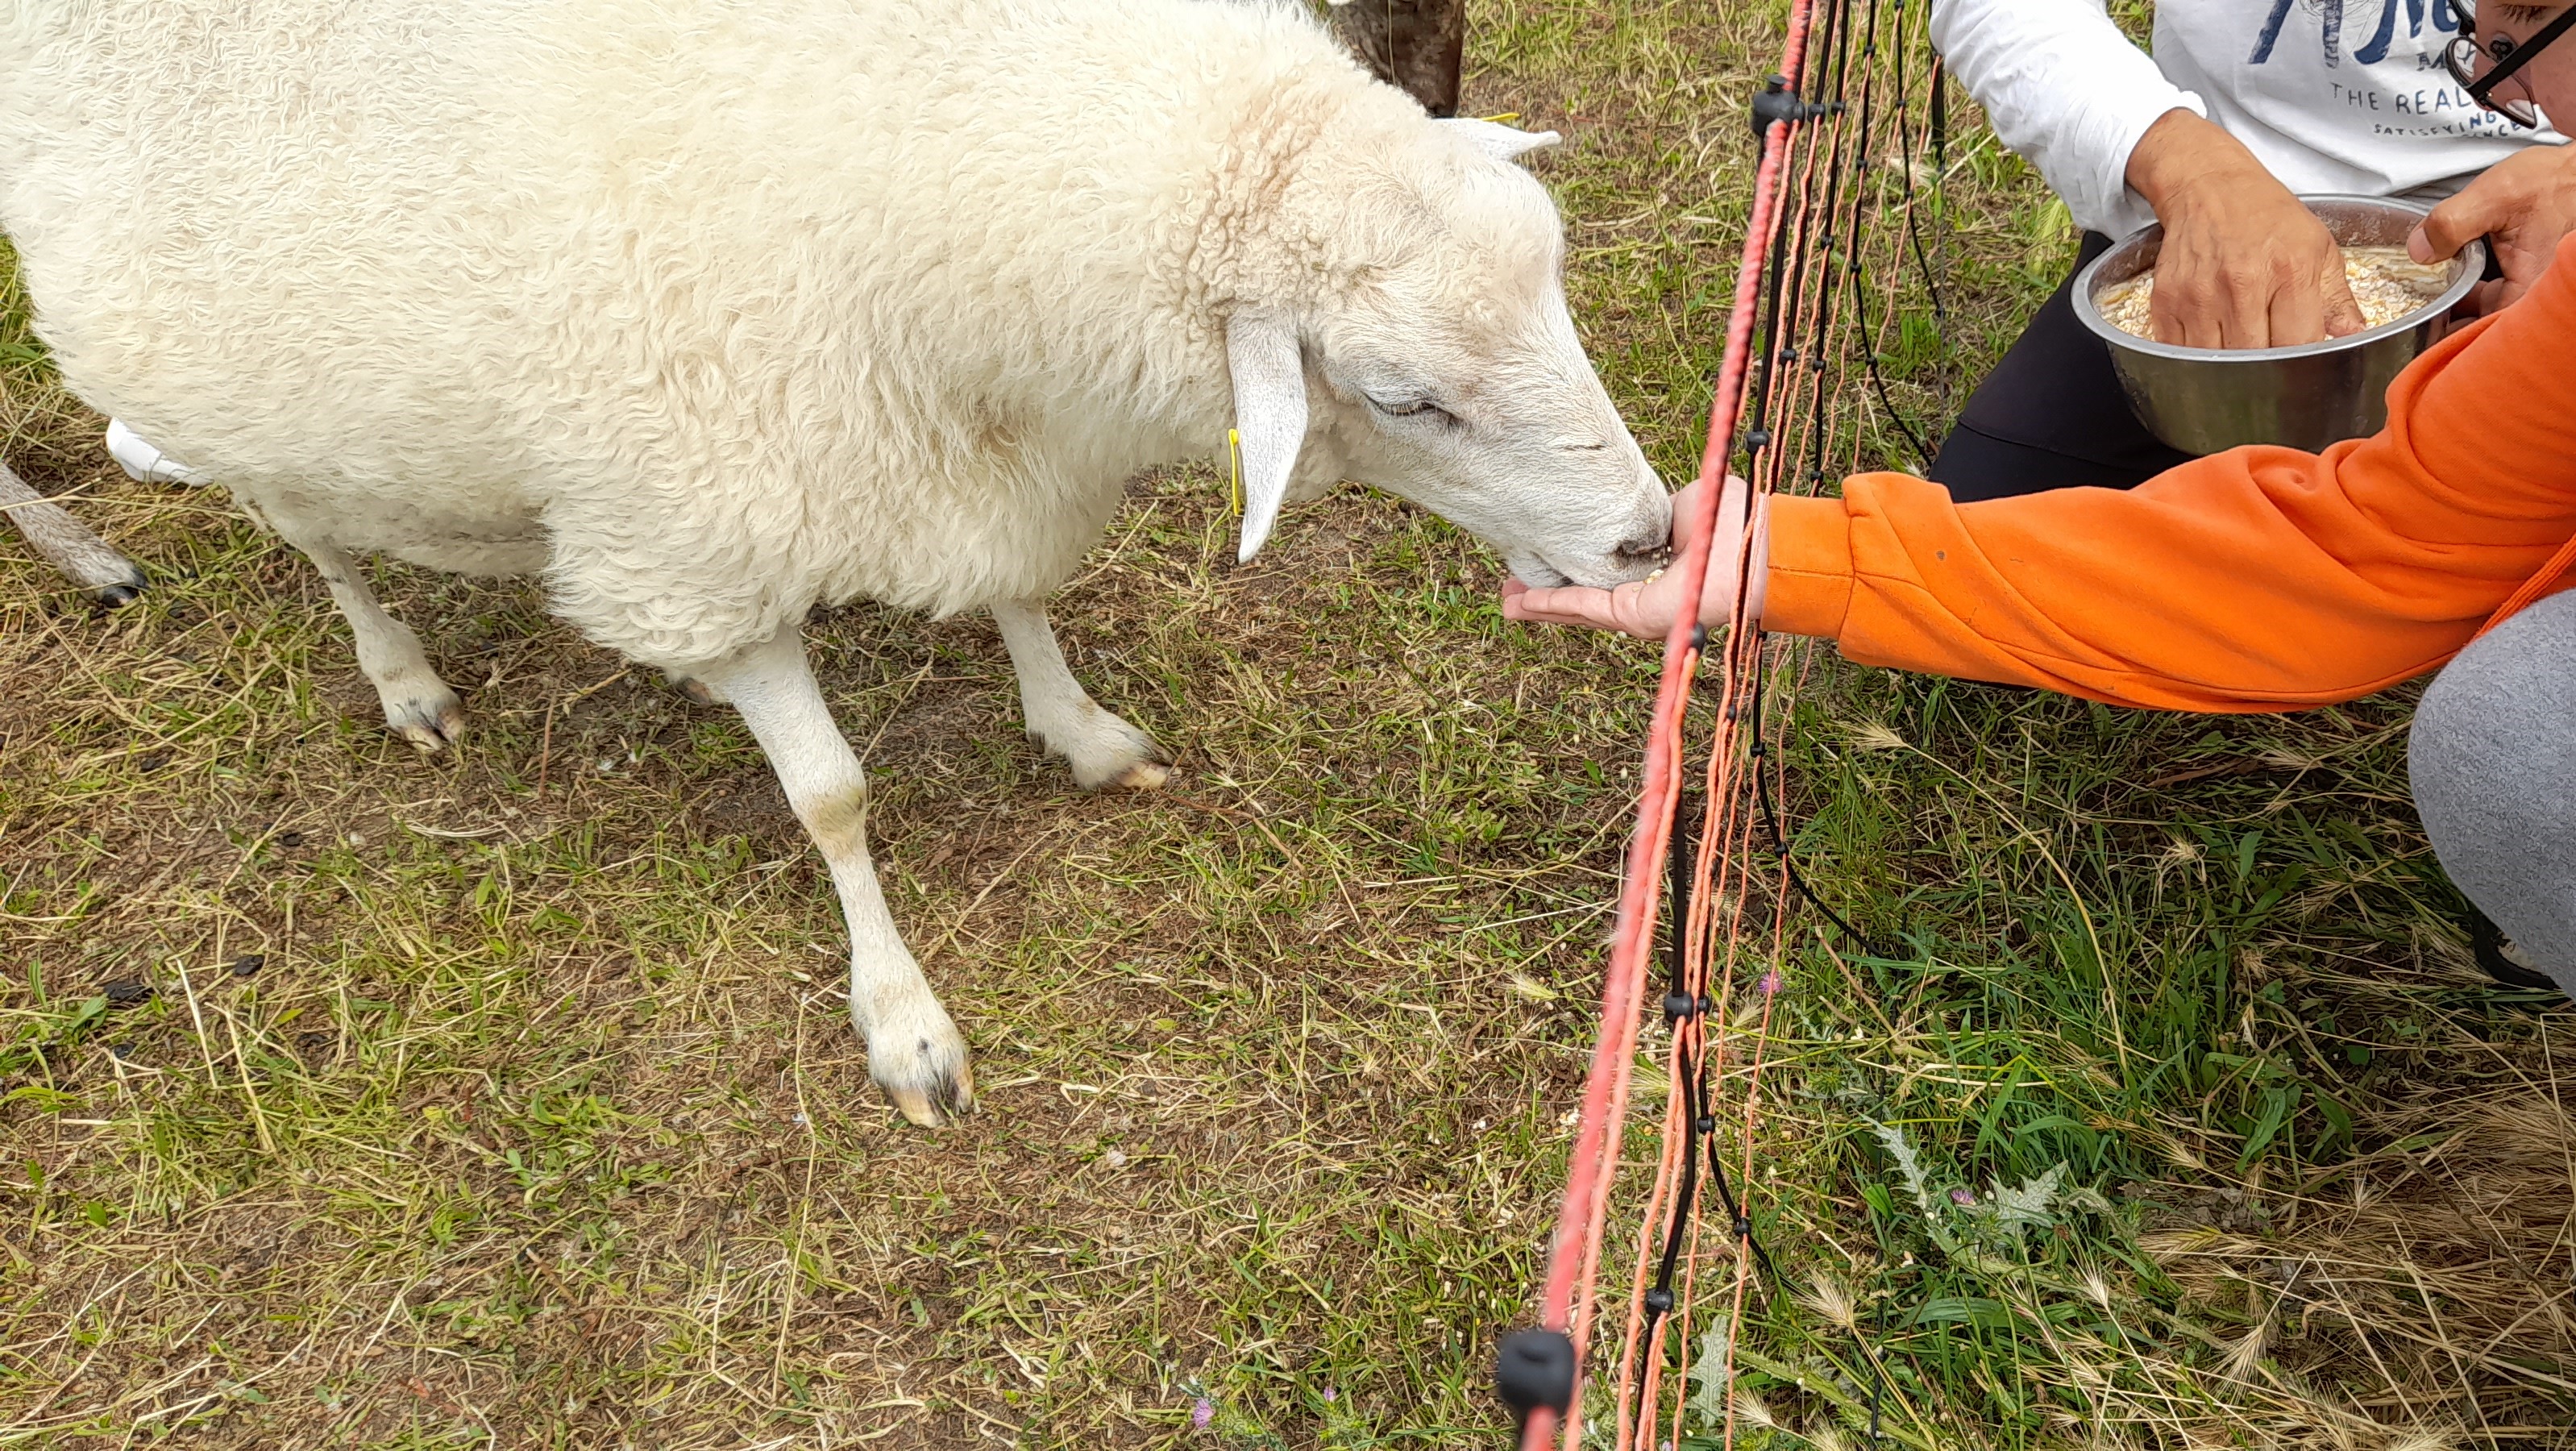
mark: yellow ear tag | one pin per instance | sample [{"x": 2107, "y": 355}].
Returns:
[{"x": 1234, "y": 468}]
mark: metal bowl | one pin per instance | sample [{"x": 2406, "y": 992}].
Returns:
[{"x": 2202, "y": 400}]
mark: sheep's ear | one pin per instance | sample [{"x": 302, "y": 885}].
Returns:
[
  {"x": 1269, "y": 414},
  {"x": 1501, "y": 142}
]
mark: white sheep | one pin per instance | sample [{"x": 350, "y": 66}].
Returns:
[{"x": 711, "y": 310}]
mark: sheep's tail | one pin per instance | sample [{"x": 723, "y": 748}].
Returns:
[{"x": 109, "y": 577}]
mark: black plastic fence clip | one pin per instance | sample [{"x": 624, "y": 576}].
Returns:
[
  {"x": 1756, "y": 440},
  {"x": 1778, "y": 103},
  {"x": 1678, "y": 1006},
  {"x": 1535, "y": 1368}
]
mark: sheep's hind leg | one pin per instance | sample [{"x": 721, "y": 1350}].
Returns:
[
  {"x": 1102, "y": 749},
  {"x": 418, "y": 705},
  {"x": 914, "y": 1052},
  {"x": 108, "y": 577}
]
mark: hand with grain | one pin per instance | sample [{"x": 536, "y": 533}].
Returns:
[{"x": 1646, "y": 608}]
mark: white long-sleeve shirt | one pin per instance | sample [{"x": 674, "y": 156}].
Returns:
[{"x": 2330, "y": 95}]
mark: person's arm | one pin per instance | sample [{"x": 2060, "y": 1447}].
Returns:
[
  {"x": 2257, "y": 579},
  {"x": 2243, "y": 265},
  {"x": 2066, "y": 91}
]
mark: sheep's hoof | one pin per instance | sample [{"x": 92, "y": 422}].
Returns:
[
  {"x": 431, "y": 721},
  {"x": 937, "y": 1107},
  {"x": 915, "y": 1053},
  {"x": 1108, "y": 754},
  {"x": 108, "y": 578},
  {"x": 944, "y": 1094},
  {"x": 698, "y": 691},
  {"x": 1143, "y": 776}
]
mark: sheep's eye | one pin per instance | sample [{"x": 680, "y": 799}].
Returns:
[{"x": 1410, "y": 408}]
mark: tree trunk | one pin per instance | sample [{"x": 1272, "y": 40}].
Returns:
[{"x": 1413, "y": 44}]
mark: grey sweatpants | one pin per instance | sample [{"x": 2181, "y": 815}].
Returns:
[{"x": 2494, "y": 762}]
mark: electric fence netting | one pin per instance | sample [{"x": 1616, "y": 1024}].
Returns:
[{"x": 1852, "y": 139}]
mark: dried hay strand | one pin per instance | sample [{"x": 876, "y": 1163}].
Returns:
[{"x": 2428, "y": 1280}]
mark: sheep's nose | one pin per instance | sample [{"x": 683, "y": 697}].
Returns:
[{"x": 1644, "y": 549}]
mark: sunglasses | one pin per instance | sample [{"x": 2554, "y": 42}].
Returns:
[{"x": 2501, "y": 58}]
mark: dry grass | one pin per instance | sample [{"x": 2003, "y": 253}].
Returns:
[
  {"x": 2437, "y": 1262},
  {"x": 509, "y": 1098}
]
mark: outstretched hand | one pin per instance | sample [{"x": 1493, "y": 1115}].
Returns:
[
  {"x": 2522, "y": 205},
  {"x": 1646, "y": 608}
]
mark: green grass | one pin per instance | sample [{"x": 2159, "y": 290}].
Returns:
[{"x": 508, "y": 1099}]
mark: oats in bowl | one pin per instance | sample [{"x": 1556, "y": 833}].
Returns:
[{"x": 2385, "y": 281}]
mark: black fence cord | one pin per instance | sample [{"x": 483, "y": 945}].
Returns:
[
  {"x": 1796, "y": 328},
  {"x": 1878, "y": 379},
  {"x": 1860, "y": 162},
  {"x": 1680, "y": 1005},
  {"x": 1760, "y": 751},
  {"x": 1819, "y": 430},
  {"x": 1914, "y": 233}
]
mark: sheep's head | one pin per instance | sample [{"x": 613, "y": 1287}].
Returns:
[{"x": 1418, "y": 340}]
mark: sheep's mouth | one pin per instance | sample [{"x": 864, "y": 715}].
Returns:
[
  {"x": 1604, "y": 572},
  {"x": 1650, "y": 558}
]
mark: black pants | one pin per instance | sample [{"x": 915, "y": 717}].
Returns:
[{"x": 2051, "y": 414}]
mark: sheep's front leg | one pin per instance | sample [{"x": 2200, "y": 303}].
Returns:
[
  {"x": 914, "y": 1051},
  {"x": 418, "y": 705},
  {"x": 1102, "y": 749}
]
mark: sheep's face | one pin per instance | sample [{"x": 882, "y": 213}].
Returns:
[{"x": 1443, "y": 367}]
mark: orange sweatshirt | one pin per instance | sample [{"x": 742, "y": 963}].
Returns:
[{"x": 2256, "y": 579}]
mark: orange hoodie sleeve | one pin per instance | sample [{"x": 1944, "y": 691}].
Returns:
[{"x": 2257, "y": 579}]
